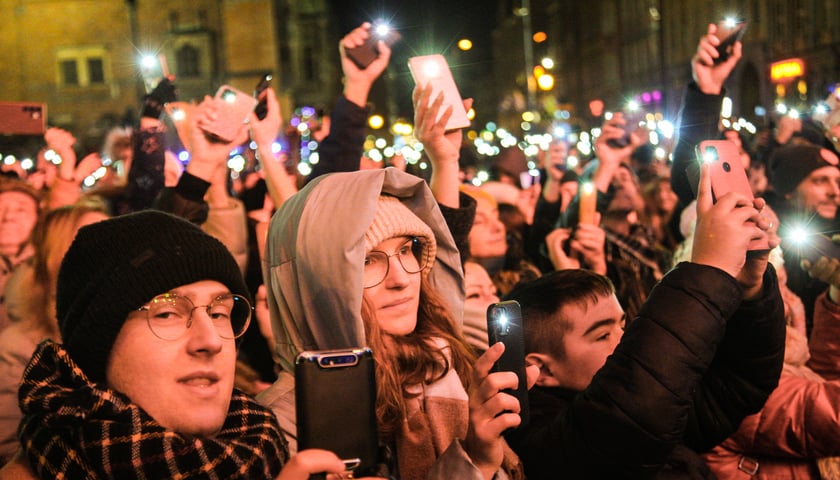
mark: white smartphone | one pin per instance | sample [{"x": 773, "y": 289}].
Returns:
[{"x": 433, "y": 69}]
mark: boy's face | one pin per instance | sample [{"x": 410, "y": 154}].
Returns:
[{"x": 595, "y": 331}]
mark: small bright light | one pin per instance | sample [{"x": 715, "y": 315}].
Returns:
[
  {"x": 237, "y": 163},
  {"x": 781, "y": 109},
  {"x": 376, "y": 122},
  {"x": 375, "y": 155},
  {"x": 821, "y": 109},
  {"x": 666, "y": 128},
  {"x": 10, "y": 160},
  {"x": 89, "y": 181},
  {"x": 545, "y": 82},
  {"x": 382, "y": 29},
  {"x": 424, "y": 165},
  {"x": 178, "y": 114},
  {"x": 547, "y": 63},
  {"x": 304, "y": 169},
  {"x": 572, "y": 161},
  {"x": 380, "y": 143},
  {"x": 528, "y": 116},
  {"x": 314, "y": 158},
  {"x": 184, "y": 156},
  {"x": 799, "y": 235},
  {"x": 539, "y": 37},
  {"x": 303, "y": 127},
  {"x": 148, "y": 61},
  {"x": 389, "y": 152},
  {"x": 526, "y": 126},
  {"x": 709, "y": 156},
  {"x": 726, "y": 107},
  {"x": 730, "y": 22},
  {"x": 99, "y": 173},
  {"x": 465, "y": 44},
  {"x": 471, "y": 114},
  {"x": 793, "y": 113},
  {"x": 660, "y": 153},
  {"x": 632, "y": 105},
  {"x": 229, "y": 96},
  {"x": 482, "y": 175},
  {"x": 26, "y": 163},
  {"x": 431, "y": 69},
  {"x": 276, "y": 148}
]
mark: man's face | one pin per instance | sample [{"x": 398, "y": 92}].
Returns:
[
  {"x": 184, "y": 384},
  {"x": 18, "y": 214},
  {"x": 819, "y": 192},
  {"x": 595, "y": 331}
]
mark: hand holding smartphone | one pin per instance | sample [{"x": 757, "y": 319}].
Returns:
[
  {"x": 261, "y": 110},
  {"x": 335, "y": 404},
  {"x": 728, "y": 32},
  {"x": 727, "y": 175},
  {"x": 364, "y": 54},
  {"x": 433, "y": 70},
  {"x": 232, "y": 109},
  {"x": 504, "y": 324}
]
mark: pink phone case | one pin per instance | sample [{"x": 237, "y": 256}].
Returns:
[
  {"x": 233, "y": 109},
  {"x": 433, "y": 69},
  {"x": 728, "y": 175}
]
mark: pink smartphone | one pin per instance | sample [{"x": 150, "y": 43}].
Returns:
[
  {"x": 433, "y": 69},
  {"x": 233, "y": 109},
  {"x": 727, "y": 175}
]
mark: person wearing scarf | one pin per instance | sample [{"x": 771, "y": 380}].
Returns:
[{"x": 122, "y": 398}]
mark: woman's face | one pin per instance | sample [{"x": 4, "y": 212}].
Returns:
[
  {"x": 184, "y": 384},
  {"x": 395, "y": 300},
  {"x": 487, "y": 237},
  {"x": 480, "y": 291}
]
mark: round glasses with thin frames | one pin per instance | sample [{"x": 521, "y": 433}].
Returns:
[
  {"x": 412, "y": 256},
  {"x": 170, "y": 315}
]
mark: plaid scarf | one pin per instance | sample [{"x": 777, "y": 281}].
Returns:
[{"x": 73, "y": 428}]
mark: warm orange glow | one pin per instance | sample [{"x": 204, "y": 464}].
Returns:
[
  {"x": 787, "y": 69},
  {"x": 539, "y": 37},
  {"x": 465, "y": 44}
]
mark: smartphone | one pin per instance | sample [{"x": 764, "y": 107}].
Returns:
[
  {"x": 587, "y": 203},
  {"x": 529, "y": 178},
  {"x": 261, "y": 110},
  {"x": 233, "y": 108},
  {"x": 810, "y": 245},
  {"x": 153, "y": 69},
  {"x": 364, "y": 54},
  {"x": 631, "y": 124},
  {"x": 23, "y": 118},
  {"x": 335, "y": 404},
  {"x": 504, "y": 324},
  {"x": 433, "y": 69},
  {"x": 727, "y": 175},
  {"x": 728, "y": 32}
]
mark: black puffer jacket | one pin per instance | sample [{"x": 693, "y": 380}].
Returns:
[{"x": 694, "y": 363}]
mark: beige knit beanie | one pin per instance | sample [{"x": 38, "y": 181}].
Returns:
[{"x": 393, "y": 219}]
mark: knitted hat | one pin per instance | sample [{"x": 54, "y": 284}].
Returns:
[
  {"x": 8, "y": 184},
  {"x": 115, "y": 266},
  {"x": 790, "y": 164},
  {"x": 393, "y": 219}
]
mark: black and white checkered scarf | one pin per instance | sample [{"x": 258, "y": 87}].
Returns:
[{"x": 72, "y": 428}]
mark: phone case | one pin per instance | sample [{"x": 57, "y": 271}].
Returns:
[
  {"x": 728, "y": 175},
  {"x": 233, "y": 109},
  {"x": 433, "y": 69},
  {"x": 504, "y": 324},
  {"x": 728, "y": 36},
  {"x": 366, "y": 53},
  {"x": 23, "y": 118},
  {"x": 336, "y": 405},
  {"x": 261, "y": 110}
]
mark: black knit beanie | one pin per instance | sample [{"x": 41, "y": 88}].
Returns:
[
  {"x": 115, "y": 266},
  {"x": 790, "y": 164}
]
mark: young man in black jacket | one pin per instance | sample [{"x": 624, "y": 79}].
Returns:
[{"x": 705, "y": 351}]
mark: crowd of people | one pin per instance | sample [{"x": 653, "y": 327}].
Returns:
[{"x": 150, "y": 325}]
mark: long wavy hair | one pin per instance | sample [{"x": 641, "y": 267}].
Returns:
[{"x": 403, "y": 361}]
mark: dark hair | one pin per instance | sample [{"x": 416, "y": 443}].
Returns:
[{"x": 541, "y": 300}]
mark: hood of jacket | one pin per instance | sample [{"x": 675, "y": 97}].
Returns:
[{"x": 315, "y": 254}]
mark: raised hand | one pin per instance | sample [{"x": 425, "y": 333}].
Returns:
[
  {"x": 708, "y": 76},
  {"x": 358, "y": 81}
]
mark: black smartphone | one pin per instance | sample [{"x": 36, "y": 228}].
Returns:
[
  {"x": 729, "y": 31},
  {"x": 504, "y": 324},
  {"x": 810, "y": 245},
  {"x": 335, "y": 403},
  {"x": 632, "y": 119},
  {"x": 261, "y": 110},
  {"x": 366, "y": 53}
]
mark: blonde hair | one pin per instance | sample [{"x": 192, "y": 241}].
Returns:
[{"x": 403, "y": 361}]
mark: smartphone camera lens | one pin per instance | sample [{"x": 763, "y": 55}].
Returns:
[
  {"x": 229, "y": 96},
  {"x": 726, "y": 167},
  {"x": 710, "y": 155}
]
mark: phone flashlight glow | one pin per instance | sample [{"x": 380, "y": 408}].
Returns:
[
  {"x": 382, "y": 29},
  {"x": 710, "y": 155},
  {"x": 730, "y": 22},
  {"x": 178, "y": 114},
  {"x": 148, "y": 61},
  {"x": 431, "y": 69},
  {"x": 229, "y": 96},
  {"x": 799, "y": 235}
]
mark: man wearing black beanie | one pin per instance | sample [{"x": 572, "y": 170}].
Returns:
[{"x": 149, "y": 308}]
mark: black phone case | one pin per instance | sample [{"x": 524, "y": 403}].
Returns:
[
  {"x": 366, "y": 53},
  {"x": 261, "y": 110},
  {"x": 728, "y": 42},
  {"x": 509, "y": 332},
  {"x": 336, "y": 406}
]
